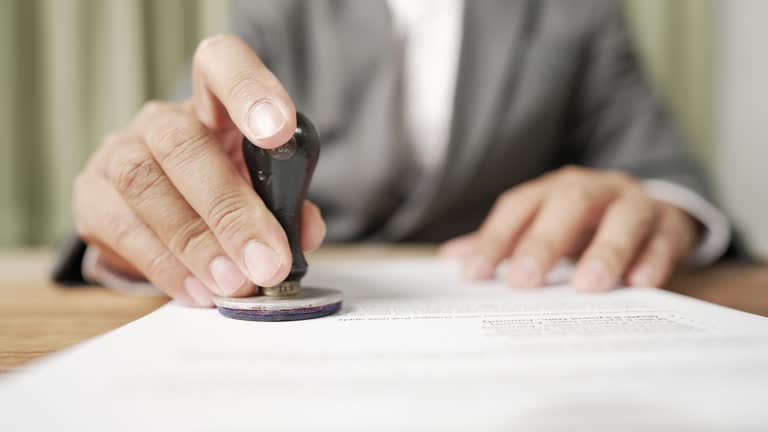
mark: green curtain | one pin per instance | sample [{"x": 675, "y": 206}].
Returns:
[
  {"x": 677, "y": 38},
  {"x": 71, "y": 70}
]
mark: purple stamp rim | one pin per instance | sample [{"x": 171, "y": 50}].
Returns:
[{"x": 281, "y": 314}]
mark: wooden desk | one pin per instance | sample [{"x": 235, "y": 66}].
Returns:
[{"x": 37, "y": 318}]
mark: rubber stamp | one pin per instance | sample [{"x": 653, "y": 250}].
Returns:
[{"x": 281, "y": 176}]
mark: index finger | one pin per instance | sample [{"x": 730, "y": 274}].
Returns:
[
  {"x": 192, "y": 159},
  {"x": 232, "y": 86}
]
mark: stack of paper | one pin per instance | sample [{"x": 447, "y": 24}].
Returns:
[{"x": 415, "y": 348}]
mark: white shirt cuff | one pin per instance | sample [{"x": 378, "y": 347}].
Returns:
[
  {"x": 717, "y": 229},
  {"x": 95, "y": 270}
]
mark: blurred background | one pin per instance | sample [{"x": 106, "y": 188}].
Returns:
[{"x": 71, "y": 70}]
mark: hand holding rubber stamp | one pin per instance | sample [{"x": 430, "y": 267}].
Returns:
[
  {"x": 169, "y": 199},
  {"x": 281, "y": 177}
]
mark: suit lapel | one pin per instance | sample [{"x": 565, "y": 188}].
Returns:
[
  {"x": 491, "y": 58},
  {"x": 490, "y": 53}
]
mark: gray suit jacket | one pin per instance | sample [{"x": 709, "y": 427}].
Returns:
[{"x": 541, "y": 83}]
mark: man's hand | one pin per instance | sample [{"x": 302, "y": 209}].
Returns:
[
  {"x": 169, "y": 198},
  {"x": 606, "y": 217}
]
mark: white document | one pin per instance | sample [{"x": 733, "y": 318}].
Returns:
[{"x": 414, "y": 348}]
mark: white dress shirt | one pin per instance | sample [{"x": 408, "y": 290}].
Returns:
[{"x": 431, "y": 32}]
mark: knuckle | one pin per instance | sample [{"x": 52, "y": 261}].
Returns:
[
  {"x": 506, "y": 198},
  {"x": 227, "y": 216},
  {"x": 623, "y": 179},
  {"x": 545, "y": 246},
  {"x": 134, "y": 177},
  {"x": 211, "y": 44},
  {"x": 571, "y": 172},
  {"x": 670, "y": 219},
  {"x": 245, "y": 86},
  {"x": 662, "y": 249},
  {"x": 113, "y": 139},
  {"x": 520, "y": 195},
  {"x": 177, "y": 139},
  {"x": 121, "y": 233},
  {"x": 613, "y": 252},
  {"x": 638, "y": 212},
  {"x": 527, "y": 189},
  {"x": 160, "y": 263},
  {"x": 647, "y": 218},
  {"x": 576, "y": 196},
  {"x": 189, "y": 237},
  {"x": 154, "y": 106}
]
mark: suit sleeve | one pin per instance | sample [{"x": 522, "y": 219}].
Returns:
[{"x": 620, "y": 122}]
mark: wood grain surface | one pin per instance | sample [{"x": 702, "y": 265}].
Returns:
[{"x": 38, "y": 317}]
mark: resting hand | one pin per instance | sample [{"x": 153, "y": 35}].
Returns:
[
  {"x": 169, "y": 198},
  {"x": 606, "y": 217}
]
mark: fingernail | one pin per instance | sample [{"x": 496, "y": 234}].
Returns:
[
  {"x": 593, "y": 276},
  {"x": 523, "y": 272},
  {"x": 262, "y": 262},
  {"x": 478, "y": 267},
  {"x": 645, "y": 275},
  {"x": 265, "y": 120},
  {"x": 198, "y": 291},
  {"x": 228, "y": 277}
]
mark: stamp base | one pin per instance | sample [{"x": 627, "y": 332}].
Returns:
[{"x": 310, "y": 303}]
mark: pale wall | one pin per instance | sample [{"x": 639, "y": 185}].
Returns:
[{"x": 740, "y": 128}]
